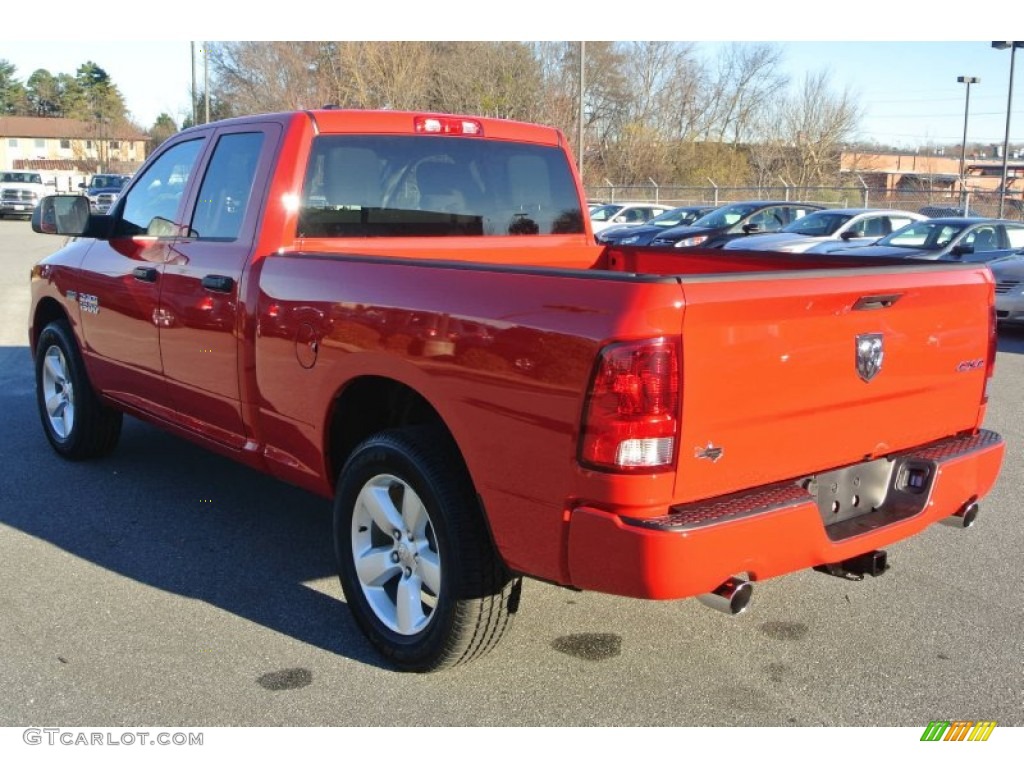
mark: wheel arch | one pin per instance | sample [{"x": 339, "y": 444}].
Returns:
[
  {"x": 369, "y": 404},
  {"x": 47, "y": 311}
]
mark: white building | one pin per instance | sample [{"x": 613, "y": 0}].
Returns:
[{"x": 66, "y": 151}]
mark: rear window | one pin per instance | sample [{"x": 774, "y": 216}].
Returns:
[{"x": 440, "y": 186}]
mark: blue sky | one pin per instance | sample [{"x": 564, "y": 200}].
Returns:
[{"x": 908, "y": 90}]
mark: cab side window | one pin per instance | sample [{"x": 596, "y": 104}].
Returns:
[
  {"x": 1015, "y": 237},
  {"x": 872, "y": 227},
  {"x": 151, "y": 206},
  {"x": 769, "y": 220},
  {"x": 227, "y": 186}
]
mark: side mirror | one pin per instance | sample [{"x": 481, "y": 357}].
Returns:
[
  {"x": 751, "y": 229},
  {"x": 82, "y": 185},
  {"x": 961, "y": 250},
  {"x": 66, "y": 215},
  {"x": 848, "y": 235}
]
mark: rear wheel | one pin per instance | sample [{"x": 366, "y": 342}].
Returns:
[
  {"x": 417, "y": 566},
  {"x": 76, "y": 423}
]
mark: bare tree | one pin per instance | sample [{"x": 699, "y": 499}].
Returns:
[
  {"x": 746, "y": 78},
  {"x": 494, "y": 79},
  {"x": 650, "y": 110},
  {"x": 258, "y": 76},
  {"x": 816, "y": 123}
]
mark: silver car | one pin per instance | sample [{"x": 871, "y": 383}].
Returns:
[
  {"x": 843, "y": 226},
  {"x": 1009, "y": 275}
]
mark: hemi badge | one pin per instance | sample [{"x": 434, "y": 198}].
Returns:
[{"x": 713, "y": 453}]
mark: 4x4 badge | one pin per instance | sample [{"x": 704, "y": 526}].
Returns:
[{"x": 870, "y": 353}]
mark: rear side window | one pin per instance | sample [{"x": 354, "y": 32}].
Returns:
[
  {"x": 1015, "y": 236},
  {"x": 227, "y": 187},
  {"x": 436, "y": 186}
]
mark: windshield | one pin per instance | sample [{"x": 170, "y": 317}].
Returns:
[
  {"x": 676, "y": 217},
  {"x": 22, "y": 178},
  {"x": 107, "y": 182},
  {"x": 605, "y": 212},
  {"x": 726, "y": 217},
  {"x": 924, "y": 235},
  {"x": 820, "y": 224}
]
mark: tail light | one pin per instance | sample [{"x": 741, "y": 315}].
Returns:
[
  {"x": 993, "y": 345},
  {"x": 631, "y": 417}
]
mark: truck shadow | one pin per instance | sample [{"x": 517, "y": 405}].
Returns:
[{"x": 175, "y": 517}]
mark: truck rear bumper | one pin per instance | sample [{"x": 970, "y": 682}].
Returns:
[{"x": 774, "y": 530}]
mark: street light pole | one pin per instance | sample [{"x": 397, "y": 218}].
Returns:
[
  {"x": 1002, "y": 45},
  {"x": 963, "y": 148}
]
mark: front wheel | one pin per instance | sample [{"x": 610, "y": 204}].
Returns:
[
  {"x": 76, "y": 423},
  {"x": 417, "y": 566}
]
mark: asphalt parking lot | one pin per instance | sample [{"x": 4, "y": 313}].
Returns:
[{"x": 167, "y": 585}]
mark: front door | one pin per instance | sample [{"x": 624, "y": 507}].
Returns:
[{"x": 120, "y": 283}]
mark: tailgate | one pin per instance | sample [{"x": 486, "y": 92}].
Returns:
[{"x": 781, "y": 374}]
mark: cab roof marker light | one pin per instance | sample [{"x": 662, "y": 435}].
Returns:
[{"x": 456, "y": 126}]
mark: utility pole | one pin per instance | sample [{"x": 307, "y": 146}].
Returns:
[
  {"x": 583, "y": 59},
  {"x": 206, "y": 77},
  {"x": 194, "y": 116}
]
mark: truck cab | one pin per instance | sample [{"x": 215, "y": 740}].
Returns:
[
  {"x": 103, "y": 189},
  {"x": 20, "y": 192}
]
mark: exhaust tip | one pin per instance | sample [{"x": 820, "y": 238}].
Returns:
[
  {"x": 731, "y": 597},
  {"x": 964, "y": 517}
]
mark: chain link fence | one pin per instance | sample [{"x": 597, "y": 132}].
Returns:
[{"x": 980, "y": 203}]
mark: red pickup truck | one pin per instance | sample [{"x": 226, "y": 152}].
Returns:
[{"x": 408, "y": 313}]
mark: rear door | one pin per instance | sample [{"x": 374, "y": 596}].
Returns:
[{"x": 200, "y": 297}]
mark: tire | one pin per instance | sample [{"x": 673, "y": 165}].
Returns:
[
  {"x": 76, "y": 423},
  {"x": 431, "y": 592}
]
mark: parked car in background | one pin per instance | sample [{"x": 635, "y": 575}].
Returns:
[
  {"x": 641, "y": 234},
  {"x": 732, "y": 221},
  {"x": 624, "y": 213},
  {"x": 854, "y": 226},
  {"x": 20, "y": 192},
  {"x": 947, "y": 211},
  {"x": 949, "y": 239},
  {"x": 103, "y": 189},
  {"x": 1009, "y": 276}
]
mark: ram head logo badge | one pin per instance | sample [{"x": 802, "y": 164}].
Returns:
[{"x": 870, "y": 353}]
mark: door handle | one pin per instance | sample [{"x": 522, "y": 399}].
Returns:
[
  {"x": 876, "y": 302},
  {"x": 218, "y": 283},
  {"x": 145, "y": 274}
]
